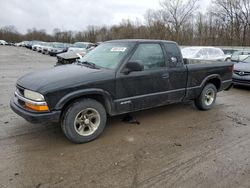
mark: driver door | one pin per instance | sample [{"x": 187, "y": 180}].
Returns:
[{"x": 143, "y": 89}]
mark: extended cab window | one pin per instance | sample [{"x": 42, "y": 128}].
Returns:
[
  {"x": 173, "y": 52},
  {"x": 150, "y": 55}
]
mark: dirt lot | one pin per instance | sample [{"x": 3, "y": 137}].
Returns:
[{"x": 173, "y": 146}]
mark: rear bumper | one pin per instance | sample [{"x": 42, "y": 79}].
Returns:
[{"x": 34, "y": 117}]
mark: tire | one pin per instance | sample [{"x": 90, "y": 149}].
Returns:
[
  {"x": 83, "y": 121},
  {"x": 203, "y": 102}
]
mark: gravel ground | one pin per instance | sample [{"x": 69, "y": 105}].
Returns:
[{"x": 173, "y": 146}]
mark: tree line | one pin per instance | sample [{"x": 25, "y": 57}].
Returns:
[{"x": 225, "y": 23}]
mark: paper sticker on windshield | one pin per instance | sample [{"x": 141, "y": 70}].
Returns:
[{"x": 118, "y": 49}]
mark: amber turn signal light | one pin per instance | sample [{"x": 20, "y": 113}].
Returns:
[{"x": 37, "y": 107}]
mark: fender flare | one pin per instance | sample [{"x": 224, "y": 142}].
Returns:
[
  {"x": 210, "y": 77},
  {"x": 81, "y": 93}
]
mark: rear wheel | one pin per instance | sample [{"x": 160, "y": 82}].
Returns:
[
  {"x": 84, "y": 121},
  {"x": 207, "y": 97}
]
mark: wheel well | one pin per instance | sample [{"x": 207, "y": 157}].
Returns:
[
  {"x": 216, "y": 82},
  {"x": 96, "y": 97}
]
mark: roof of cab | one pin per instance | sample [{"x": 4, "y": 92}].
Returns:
[{"x": 141, "y": 40}]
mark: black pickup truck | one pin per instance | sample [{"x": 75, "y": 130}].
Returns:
[{"x": 117, "y": 77}]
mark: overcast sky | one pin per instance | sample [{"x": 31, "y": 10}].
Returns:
[{"x": 73, "y": 14}]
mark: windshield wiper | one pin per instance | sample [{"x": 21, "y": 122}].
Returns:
[{"x": 88, "y": 64}]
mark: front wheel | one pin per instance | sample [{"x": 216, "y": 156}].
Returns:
[
  {"x": 207, "y": 97},
  {"x": 84, "y": 121}
]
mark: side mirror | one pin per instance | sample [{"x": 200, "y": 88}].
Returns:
[{"x": 133, "y": 66}]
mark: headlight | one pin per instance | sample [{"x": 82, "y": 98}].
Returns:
[{"x": 33, "y": 95}]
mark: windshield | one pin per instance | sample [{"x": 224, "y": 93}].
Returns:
[
  {"x": 229, "y": 52},
  {"x": 80, "y": 45},
  {"x": 108, "y": 55},
  {"x": 237, "y": 53},
  {"x": 247, "y": 60},
  {"x": 189, "y": 52}
]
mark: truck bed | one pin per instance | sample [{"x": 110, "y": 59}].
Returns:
[{"x": 199, "y": 73}]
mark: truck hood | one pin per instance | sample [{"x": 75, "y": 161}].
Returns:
[
  {"x": 66, "y": 76},
  {"x": 245, "y": 67}
]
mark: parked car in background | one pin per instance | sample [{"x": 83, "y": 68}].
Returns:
[
  {"x": 25, "y": 43},
  {"x": 46, "y": 47},
  {"x": 11, "y": 44},
  {"x": 70, "y": 57},
  {"x": 241, "y": 73},
  {"x": 40, "y": 47},
  {"x": 29, "y": 44},
  {"x": 3, "y": 42},
  {"x": 240, "y": 56},
  {"x": 35, "y": 45},
  {"x": 19, "y": 44},
  {"x": 203, "y": 53},
  {"x": 57, "y": 48},
  {"x": 228, "y": 53},
  {"x": 80, "y": 46}
]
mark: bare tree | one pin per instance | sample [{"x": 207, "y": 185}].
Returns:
[
  {"x": 235, "y": 16},
  {"x": 176, "y": 13},
  {"x": 226, "y": 23}
]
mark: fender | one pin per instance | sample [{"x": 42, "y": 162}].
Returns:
[
  {"x": 109, "y": 105},
  {"x": 206, "y": 79},
  {"x": 193, "y": 92}
]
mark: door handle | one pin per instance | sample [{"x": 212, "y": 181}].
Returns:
[{"x": 165, "y": 76}]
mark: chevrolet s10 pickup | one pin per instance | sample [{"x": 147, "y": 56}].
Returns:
[{"x": 117, "y": 77}]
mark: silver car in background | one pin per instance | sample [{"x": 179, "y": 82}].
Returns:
[
  {"x": 240, "y": 56},
  {"x": 58, "y": 48},
  {"x": 3, "y": 42},
  {"x": 80, "y": 46},
  {"x": 241, "y": 73},
  {"x": 46, "y": 47},
  {"x": 203, "y": 53}
]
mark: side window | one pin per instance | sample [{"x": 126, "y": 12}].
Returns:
[
  {"x": 150, "y": 55},
  {"x": 212, "y": 52},
  {"x": 173, "y": 52},
  {"x": 201, "y": 54},
  {"x": 205, "y": 52}
]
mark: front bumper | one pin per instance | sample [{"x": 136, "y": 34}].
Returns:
[
  {"x": 241, "y": 80},
  {"x": 35, "y": 117}
]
